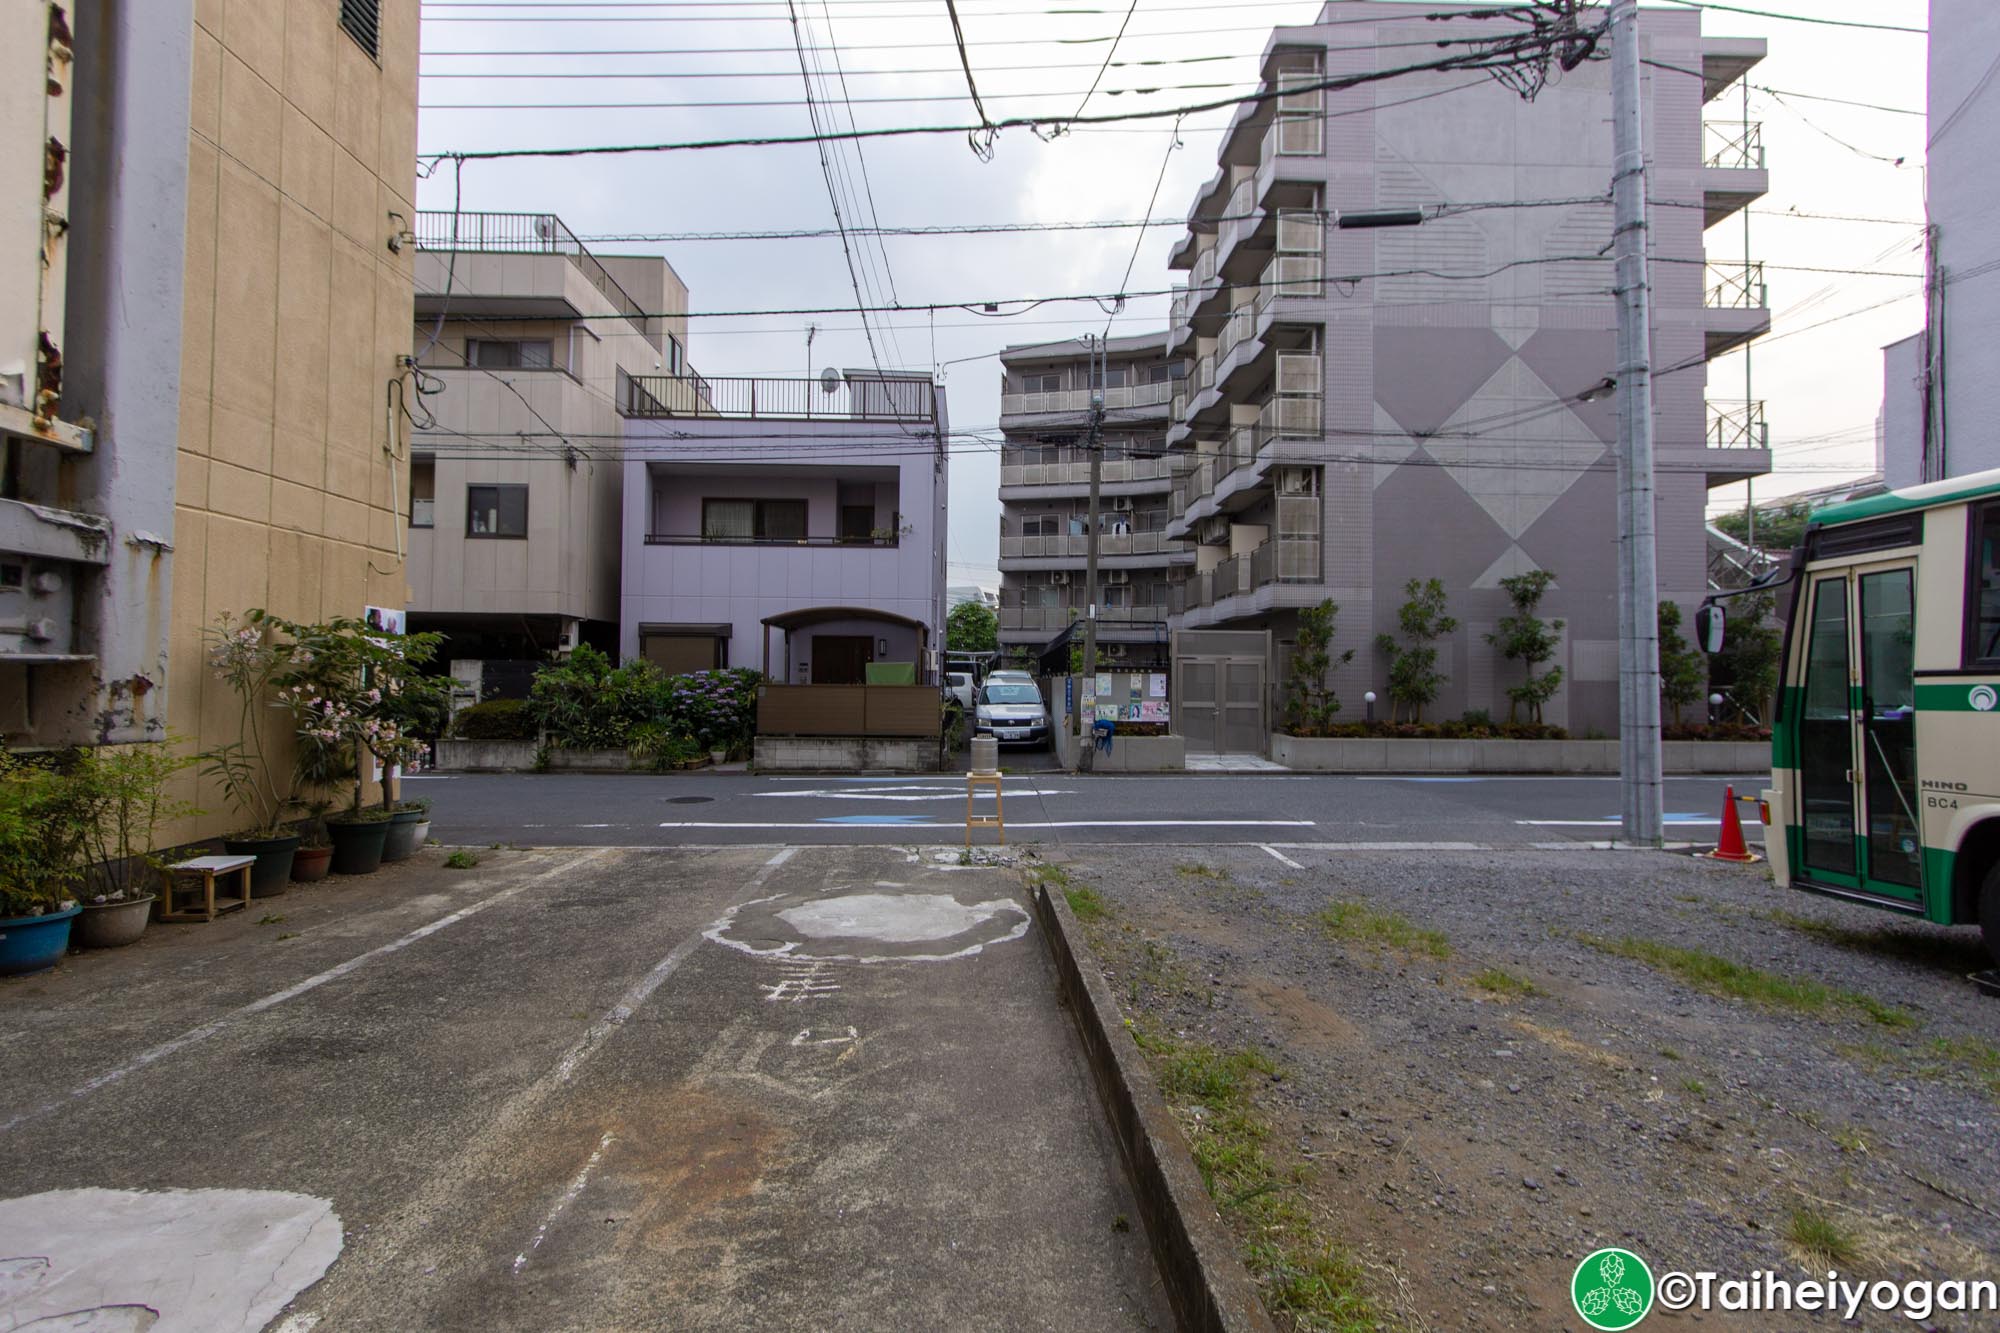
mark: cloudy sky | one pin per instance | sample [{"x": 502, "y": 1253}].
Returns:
[{"x": 540, "y": 74}]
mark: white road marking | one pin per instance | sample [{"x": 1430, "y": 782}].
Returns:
[
  {"x": 800, "y": 983},
  {"x": 911, "y": 793},
  {"x": 568, "y": 1197},
  {"x": 1282, "y": 858},
  {"x": 292, "y": 992},
  {"x": 806, "y": 1038},
  {"x": 1612, "y": 821},
  {"x": 1389, "y": 846},
  {"x": 1019, "y": 824}
]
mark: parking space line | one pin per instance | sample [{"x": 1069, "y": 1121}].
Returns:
[
  {"x": 200, "y": 1034},
  {"x": 1282, "y": 858}
]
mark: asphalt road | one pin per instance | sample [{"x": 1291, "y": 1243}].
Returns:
[
  {"x": 702, "y": 808},
  {"x": 572, "y": 1088}
]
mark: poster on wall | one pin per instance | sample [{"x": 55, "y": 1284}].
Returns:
[
  {"x": 389, "y": 620},
  {"x": 1156, "y": 686},
  {"x": 1153, "y": 710}
]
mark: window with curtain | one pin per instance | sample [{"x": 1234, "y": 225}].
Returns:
[
  {"x": 510, "y": 353},
  {"x": 753, "y": 520},
  {"x": 496, "y": 511}
]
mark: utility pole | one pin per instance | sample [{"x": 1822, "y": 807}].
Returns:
[
  {"x": 1086, "y": 704},
  {"x": 1638, "y": 576}
]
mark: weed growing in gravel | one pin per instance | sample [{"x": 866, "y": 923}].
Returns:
[
  {"x": 1694, "y": 1087},
  {"x": 1720, "y": 976},
  {"x": 1361, "y": 924},
  {"x": 1851, "y": 1140},
  {"x": 1499, "y": 981},
  {"x": 269, "y": 919},
  {"x": 1953, "y": 953},
  {"x": 1669, "y": 1053},
  {"x": 461, "y": 860},
  {"x": 1980, "y": 1058},
  {"x": 1818, "y": 1241},
  {"x": 1307, "y": 1279},
  {"x": 1194, "y": 870},
  {"x": 1087, "y": 903}
]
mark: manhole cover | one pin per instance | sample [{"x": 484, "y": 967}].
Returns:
[{"x": 688, "y": 800}]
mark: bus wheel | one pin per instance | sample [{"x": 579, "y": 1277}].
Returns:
[{"x": 1989, "y": 912}]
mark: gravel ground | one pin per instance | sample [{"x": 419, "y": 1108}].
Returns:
[{"x": 1478, "y": 1112}]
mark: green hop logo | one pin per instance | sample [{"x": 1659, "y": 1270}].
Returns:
[{"x": 1612, "y": 1289}]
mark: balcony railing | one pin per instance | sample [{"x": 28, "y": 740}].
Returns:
[
  {"x": 1078, "y": 400},
  {"x": 891, "y": 540},
  {"x": 1078, "y": 474},
  {"x": 1736, "y": 286},
  {"x": 1285, "y": 560},
  {"x": 1053, "y": 618},
  {"x": 845, "y": 399},
  {"x": 523, "y": 233},
  {"x": 1076, "y": 544},
  {"x": 1734, "y": 144},
  {"x": 1738, "y": 425},
  {"x": 1178, "y": 309}
]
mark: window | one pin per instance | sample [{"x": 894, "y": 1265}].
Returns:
[
  {"x": 510, "y": 353},
  {"x": 362, "y": 20},
  {"x": 753, "y": 520},
  {"x": 1039, "y": 525},
  {"x": 496, "y": 511},
  {"x": 1049, "y": 383},
  {"x": 422, "y": 489},
  {"x": 1983, "y": 588},
  {"x": 1163, "y": 373},
  {"x": 857, "y": 523},
  {"x": 1112, "y": 377}
]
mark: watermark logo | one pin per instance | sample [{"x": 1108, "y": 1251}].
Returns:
[
  {"x": 1612, "y": 1289},
  {"x": 1983, "y": 698}
]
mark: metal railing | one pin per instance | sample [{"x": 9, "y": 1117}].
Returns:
[
  {"x": 1738, "y": 425},
  {"x": 847, "y": 399},
  {"x": 699, "y": 539},
  {"x": 1078, "y": 474},
  {"x": 1078, "y": 400},
  {"x": 1735, "y": 144},
  {"x": 1285, "y": 560},
  {"x": 1076, "y": 544},
  {"x": 1736, "y": 286},
  {"x": 1058, "y": 617},
  {"x": 523, "y": 233}
]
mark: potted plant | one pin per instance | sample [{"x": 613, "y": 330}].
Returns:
[
  {"x": 409, "y": 825},
  {"x": 44, "y": 825},
  {"x": 126, "y": 786},
  {"x": 315, "y": 853},
  {"x": 249, "y": 656}
]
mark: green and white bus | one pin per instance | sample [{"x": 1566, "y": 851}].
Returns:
[{"x": 1885, "y": 747}]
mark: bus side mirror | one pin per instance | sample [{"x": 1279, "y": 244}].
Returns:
[{"x": 1708, "y": 628}]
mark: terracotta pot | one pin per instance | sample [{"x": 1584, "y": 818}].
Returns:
[
  {"x": 310, "y": 863},
  {"x": 112, "y": 925}
]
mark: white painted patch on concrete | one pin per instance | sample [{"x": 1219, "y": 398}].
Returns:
[
  {"x": 304, "y": 1322},
  {"x": 891, "y": 918},
  {"x": 199, "y": 1261},
  {"x": 1281, "y": 857},
  {"x": 576, "y": 1185}
]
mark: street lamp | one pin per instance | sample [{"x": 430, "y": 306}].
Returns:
[{"x": 1369, "y": 699}]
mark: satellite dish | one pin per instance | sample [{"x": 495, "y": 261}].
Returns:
[{"x": 829, "y": 380}]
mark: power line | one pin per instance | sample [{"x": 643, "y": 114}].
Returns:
[
  {"x": 1797, "y": 18},
  {"x": 982, "y": 142},
  {"x": 908, "y": 99},
  {"x": 853, "y": 73},
  {"x": 1118, "y": 37}
]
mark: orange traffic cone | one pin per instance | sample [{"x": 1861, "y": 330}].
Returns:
[{"x": 1731, "y": 848}]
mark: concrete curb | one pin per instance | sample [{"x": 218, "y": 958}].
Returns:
[{"x": 1208, "y": 1287}]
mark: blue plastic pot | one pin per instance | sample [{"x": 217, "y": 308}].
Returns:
[{"x": 33, "y": 943}]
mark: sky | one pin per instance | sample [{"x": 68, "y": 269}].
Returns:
[{"x": 540, "y": 72}]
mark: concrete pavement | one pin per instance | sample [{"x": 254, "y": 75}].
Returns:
[{"x": 726, "y": 1087}]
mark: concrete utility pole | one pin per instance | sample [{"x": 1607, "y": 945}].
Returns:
[
  {"x": 1086, "y": 704},
  {"x": 1638, "y": 577}
]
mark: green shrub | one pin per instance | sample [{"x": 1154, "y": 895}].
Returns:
[
  {"x": 585, "y": 703},
  {"x": 495, "y": 720}
]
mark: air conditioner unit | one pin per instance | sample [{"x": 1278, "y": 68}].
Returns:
[
  {"x": 1060, "y": 578},
  {"x": 1112, "y": 649},
  {"x": 1121, "y": 504},
  {"x": 1295, "y": 481},
  {"x": 1117, "y": 577}
]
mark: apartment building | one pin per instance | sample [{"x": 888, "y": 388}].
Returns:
[
  {"x": 1939, "y": 395},
  {"x": 1045, "y": 409},
  {"x": 207, "y": 300},
  {"x": 526, "y": 340},
  {"x": 1373, "y": 405},
  {"x": 793, "y": 526}
]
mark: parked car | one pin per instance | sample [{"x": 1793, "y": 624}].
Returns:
[
  {"x": 958, "y": 687},
  {"x": 1011, "y": 711},
  {"x": 1010, "y": 674}
]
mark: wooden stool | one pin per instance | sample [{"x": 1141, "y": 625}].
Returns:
[
  {"x": 208, "y": 867},
  {"x": 996, "y": 820}
]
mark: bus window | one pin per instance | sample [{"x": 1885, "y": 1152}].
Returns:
[
  {"x": 1983, "y": 589},
  {"x": 1826, "y": 737},
  {"x": 1889, "y": 724}
]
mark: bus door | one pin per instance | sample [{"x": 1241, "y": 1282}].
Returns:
[{"x": 1857, "y": 732}]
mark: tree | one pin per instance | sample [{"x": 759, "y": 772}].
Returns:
[
  {"x": 1779, "y": 528},
  {"x": 1414, "y": 679},
  {"x": 1746, "y": 670},
  {"x": 1526, "y": 638},
  {"x": 1683, "y": 673},
  {"x": 971, "y": 627},
  {"x": 1310, "y": 704}
]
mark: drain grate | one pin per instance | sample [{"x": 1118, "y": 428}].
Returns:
[{"x": 689, "y": 800}]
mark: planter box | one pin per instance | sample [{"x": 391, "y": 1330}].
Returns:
[
  {"x": 589, "y": 761},
  {"x": 1129, "y": 754},
  {"x": 486, "y": 756},
  {"x": 1384, "y": 755},
  {"x": 844, "y": 754}
]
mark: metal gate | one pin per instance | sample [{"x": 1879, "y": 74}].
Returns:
[{"x": 1218, "y": 690}]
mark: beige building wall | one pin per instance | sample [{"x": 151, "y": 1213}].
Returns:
[
  {"x": 555, "y": 430},
  {"x": 301, "y": 154}
]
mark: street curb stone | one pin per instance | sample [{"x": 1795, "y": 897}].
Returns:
[{"x": 1207, "y": 1286}]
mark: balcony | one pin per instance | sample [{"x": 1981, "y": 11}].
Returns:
[
  {"x": 521, "y": 233},
  {"x": 1077, "y": 401},
  {"x": 1205, "y": 291},
  {"x": 1733, "y": 174},
  {"x": 1738, "y": 441},
  {"x": 1113, "y": 472},
  {"x": 1281, "y": 572},
  {"x": 1736, "y": 304},
  {"x": 853, "y": 397},
  {"x": 1068, "y": 546},
  {"x": 888, "y": 541},
  {"x": 1054, "y": 619}
]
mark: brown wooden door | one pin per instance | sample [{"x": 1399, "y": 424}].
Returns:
[{"x": 841, "y": 659}]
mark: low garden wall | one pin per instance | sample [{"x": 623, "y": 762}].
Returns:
[
  {"x": 1128, "y": 754},
  {"x": 458, "y": 756},
  {"x": 1368, "y": 754},
  {"x": 845, "y": 754}
]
